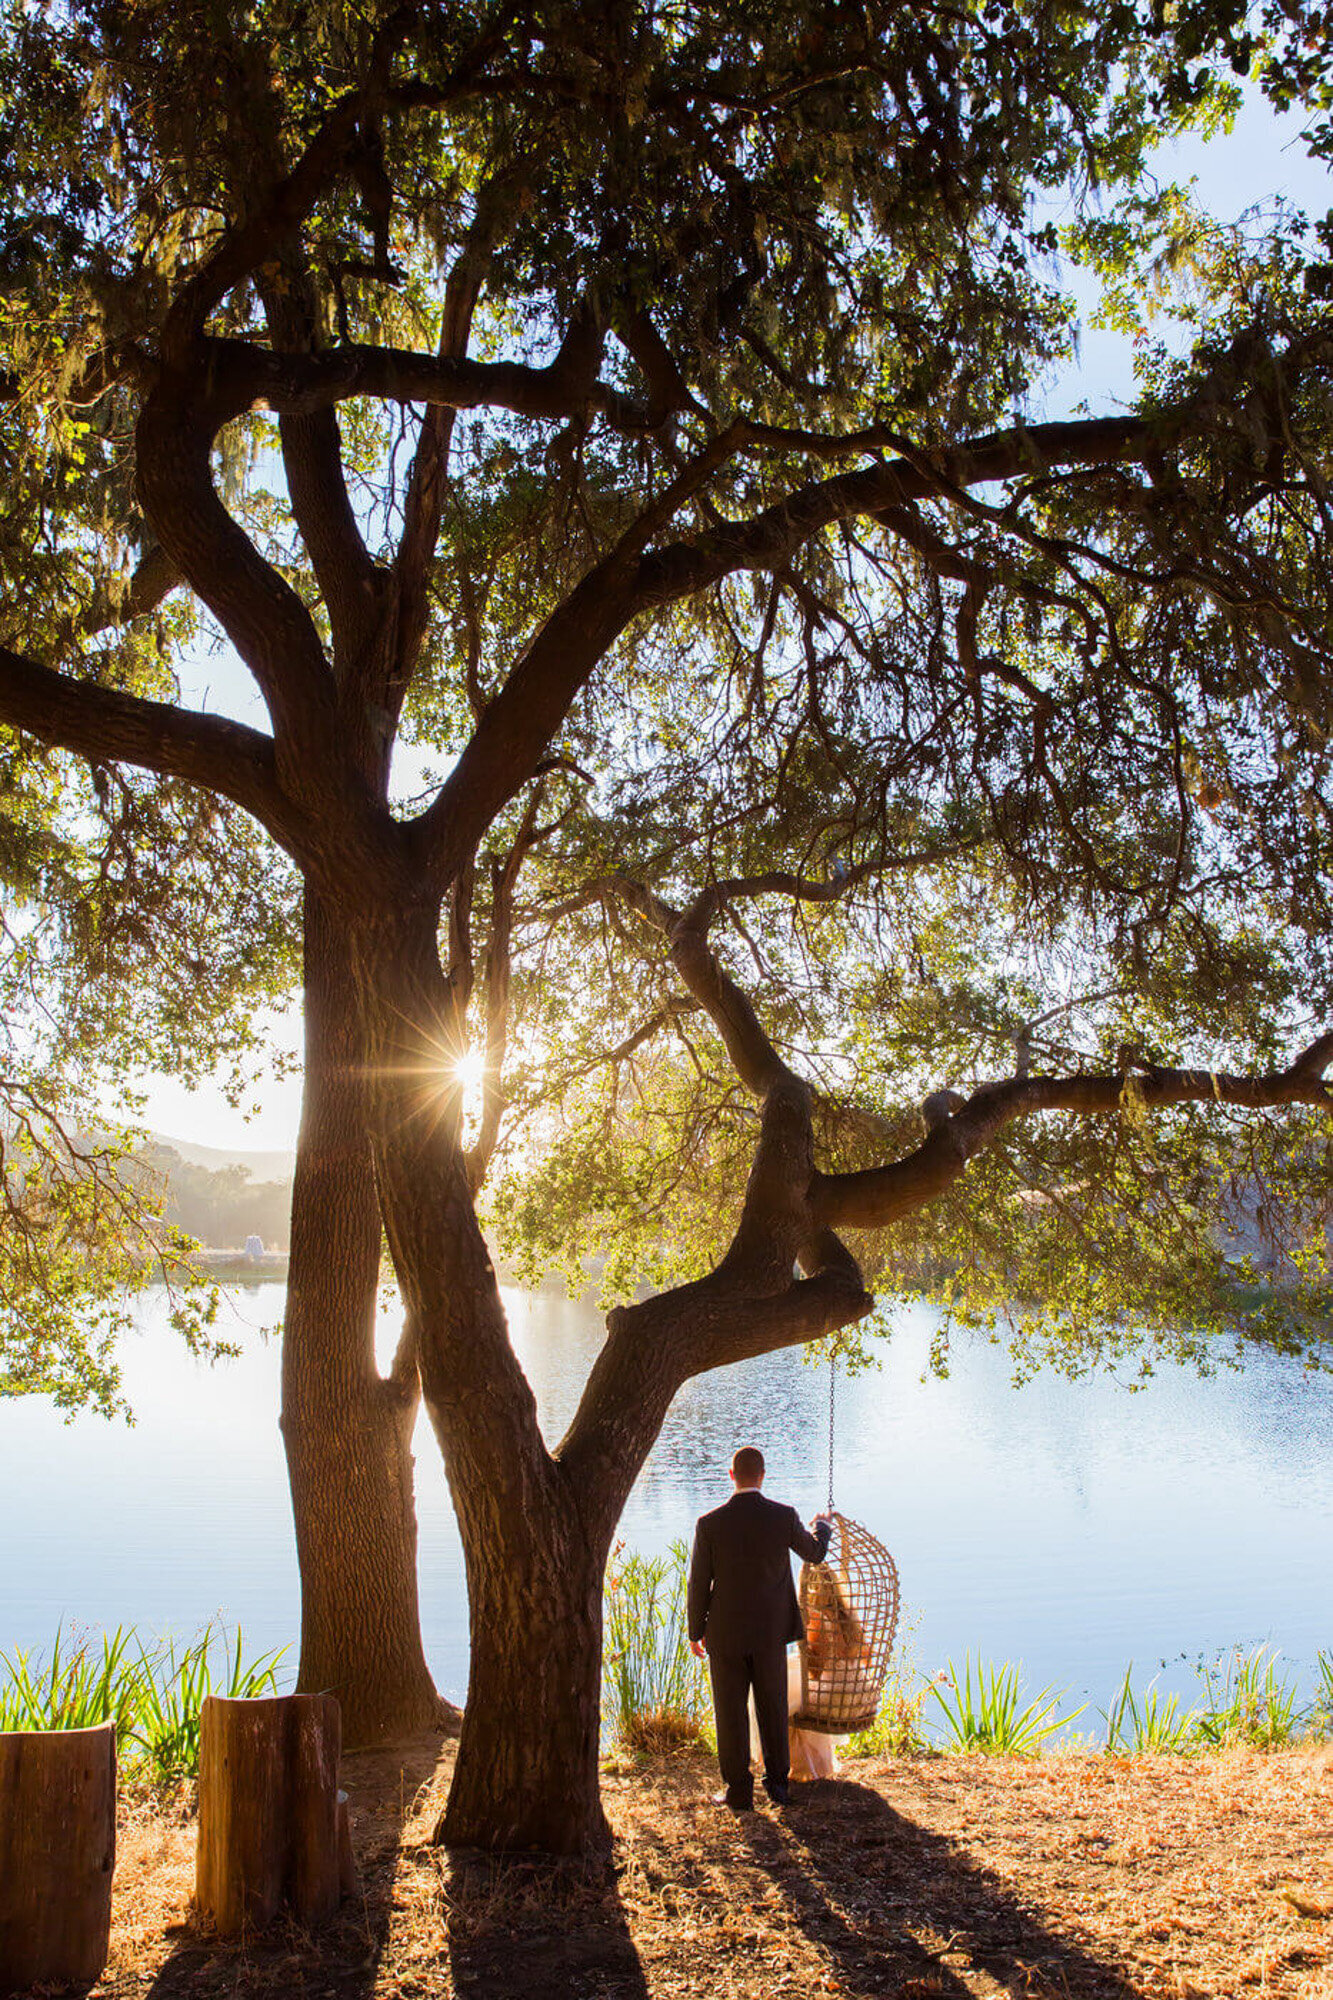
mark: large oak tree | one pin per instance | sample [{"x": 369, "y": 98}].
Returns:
[{"x": 875, "y": 830}]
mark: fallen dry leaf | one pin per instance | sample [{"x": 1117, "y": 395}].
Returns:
[{"x": 1305, "y": 1905}]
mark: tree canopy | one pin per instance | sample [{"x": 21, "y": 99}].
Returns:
[{"x": 850, "y": 826}]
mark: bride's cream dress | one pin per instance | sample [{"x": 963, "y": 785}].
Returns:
[{"x": 813, "y": 1754}]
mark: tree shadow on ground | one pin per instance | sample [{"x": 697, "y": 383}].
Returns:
[
  {"x": 538, "y": 1930},
  {"x": 897, "y": 1909},
  {"x": 343, "y": 1958}
]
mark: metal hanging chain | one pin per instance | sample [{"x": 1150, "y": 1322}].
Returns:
[{"x": 832, "y": 1383}]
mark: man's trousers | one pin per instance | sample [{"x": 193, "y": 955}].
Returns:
[{"x": 733, "y": 1675}]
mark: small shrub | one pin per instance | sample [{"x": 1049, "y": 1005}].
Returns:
[
  {"x": 654, "y": 1690},
  {"x": 981, "y": 1709}
]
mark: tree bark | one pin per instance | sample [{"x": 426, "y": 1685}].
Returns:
[
  {"x": 57, "y": 1854},
  {"x": 269, "y": 1834},
  {"x": 534, "y": 1542},
  {"x": 347, "y": 1429},
  {"x": 526, "y": 1775}
]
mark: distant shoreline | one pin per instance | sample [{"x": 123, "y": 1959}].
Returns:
[{"x": 270, "y": 1268}]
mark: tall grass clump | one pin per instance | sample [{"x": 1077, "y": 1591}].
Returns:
[
  {"x": 983, "y": 1710},
  {"x": 654, "y": 1690},
  {"x": 1321, "y": 1712},
  {"x": 172, "y": 1690},
  {"x": 153, "y": 1694},
  {"x": 79, "y": 1687},
  {"x": 1245, "y": 1700},
  {"x": 1148, "y": 1723}
]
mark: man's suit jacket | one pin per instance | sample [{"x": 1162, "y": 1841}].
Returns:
[{"x": 741, "y": 1597}]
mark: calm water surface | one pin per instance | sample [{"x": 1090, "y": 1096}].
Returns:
[{"x": 1070, "y": 1526}]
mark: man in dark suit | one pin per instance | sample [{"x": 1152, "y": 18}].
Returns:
[{"x": 742, "y": 1612}]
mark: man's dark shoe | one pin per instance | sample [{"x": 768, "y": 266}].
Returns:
[
  {"x": 780, "y": 1794},
  {"x": 741, "y": 1802}
]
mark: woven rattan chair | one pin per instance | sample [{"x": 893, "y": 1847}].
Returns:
[{"x": 849, "y": 1614}]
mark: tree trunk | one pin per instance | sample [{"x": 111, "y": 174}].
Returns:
[
  {"x": 269, "y": 1835},
  {"x": 526, "y": 1774},
  {"x": 347, "y": 1430},
  {"x": 535, "y": 1536},
  {"x": 57, "y": 1853}
]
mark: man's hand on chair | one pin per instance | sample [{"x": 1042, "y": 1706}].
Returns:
[{"x": 823, "y": 1517}]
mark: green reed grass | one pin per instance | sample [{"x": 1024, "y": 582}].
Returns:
[
  {"x": 153, "y": 1694},
  {"x": 983, "y": 1710},
  {"x": 77, "y": 1688},
  {"x": 1246, "y": 1700},
  {"x": 1321, "y": 1710},
  {"x": 654, "y": 1690},
  {"x": 1148, "y": 1723},
  {"x": 173, "y": 1690}
]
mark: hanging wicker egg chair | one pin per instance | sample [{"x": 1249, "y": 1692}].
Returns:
[{"x": 849, "y": 1614}]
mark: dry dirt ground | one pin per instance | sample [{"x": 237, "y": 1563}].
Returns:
[{"x": 1072, "y": 1876}]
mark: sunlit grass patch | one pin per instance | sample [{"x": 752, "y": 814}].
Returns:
[
  {"x": 1147, "y": 1723},
  {"x": 152, "y": 1693},
  {"x": 1246, "y": 1700},
  {"x": 984, "y": 1711},
  {"x": 654, "y": 1691}
]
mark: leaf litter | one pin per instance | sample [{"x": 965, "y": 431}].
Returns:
[{"x": 1068, "y": 1877}]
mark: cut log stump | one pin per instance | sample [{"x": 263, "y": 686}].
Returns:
[
  {"x": 57, "y": 1854},
  {"x": 268, "y": 1810}
]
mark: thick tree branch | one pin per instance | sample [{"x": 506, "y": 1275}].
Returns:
[
  {"x": 769, "y": 540},
  {"x": 261, "y": 613},
  {"x": 290, "y": 198},
  {"x": 752, "y": 1054},
  {"x": 514, "y": 733},
  {"x": 299, "y": 384},
  {"x": 963, "y": 1127},
  {"x": 668, "y": 392},
  {"x": 105, "y": 725},
  {"x": 752, "y": 1303},
  {"x": 423, "y": 505},
  {"x": 348, "y": 579},
  {"x": 653, "y": 1347}
]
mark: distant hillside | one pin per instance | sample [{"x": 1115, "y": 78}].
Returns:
[
  {"x": 259, "y": 1166},
  {"x": 219, "y": 1197}
]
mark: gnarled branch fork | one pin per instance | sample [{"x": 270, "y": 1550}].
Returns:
[{"x": 753, "y": 1302}]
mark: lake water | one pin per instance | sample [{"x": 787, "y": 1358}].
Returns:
[{"x": 1072, "y": 1527}]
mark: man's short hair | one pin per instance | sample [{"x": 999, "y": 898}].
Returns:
[{"x": 747, "y": 1467}]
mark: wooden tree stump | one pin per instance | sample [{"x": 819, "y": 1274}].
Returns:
[
  {"x": 57, "y": 1854},
  {"x": 268, "y": 1810}
]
